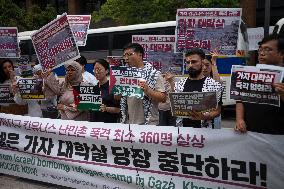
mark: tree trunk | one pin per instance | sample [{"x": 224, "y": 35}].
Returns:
[
  {"x": 249, "y": 17},
  {"x": 73, "y": 7}
]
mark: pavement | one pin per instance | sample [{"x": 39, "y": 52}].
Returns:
[{"x": 12, "y": 182}]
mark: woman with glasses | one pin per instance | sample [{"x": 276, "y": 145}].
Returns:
[
  {"x": 64, "y": 90},
  {"x": 110, "y": 108},
  {"x": 210, "y": 69}
]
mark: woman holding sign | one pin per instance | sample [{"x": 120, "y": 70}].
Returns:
[
  {"x": 7, "y": 77},
  {"x": 34, "y": 107},
  {"x": 64, "y": 90},
  {"x": 110, "y": 108}
]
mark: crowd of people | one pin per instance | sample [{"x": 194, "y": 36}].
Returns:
[{"x": 154, "y": 108}]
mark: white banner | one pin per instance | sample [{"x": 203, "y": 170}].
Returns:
[{"x": 82, "y": 154}]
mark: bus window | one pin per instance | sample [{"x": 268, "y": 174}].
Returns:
[
  {"x": 120, "y": 40},
  {"x": 26, "y": 47},
  {"x": 96, "y": 47},
  {"x": 95, "y": 42}
]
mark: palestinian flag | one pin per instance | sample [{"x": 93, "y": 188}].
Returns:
[{"x": 87, "y": 97}]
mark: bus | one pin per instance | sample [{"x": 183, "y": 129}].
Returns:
[{"x": 103, "y": 42}]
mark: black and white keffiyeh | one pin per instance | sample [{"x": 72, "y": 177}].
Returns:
[{"x": 151, "y": 75}]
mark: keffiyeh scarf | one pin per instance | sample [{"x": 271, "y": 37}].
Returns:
[{"x": 151, "y": 75}]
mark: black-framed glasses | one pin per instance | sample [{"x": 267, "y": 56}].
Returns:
[
  {"x": 128, "y": 54},
  {"x": 265, "y": 50}
]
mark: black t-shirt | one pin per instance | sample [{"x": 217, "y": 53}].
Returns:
[
  {"x": 108, "y": 100},
  {"x": 194, "y": 86},
  {"x": 264, "y": 118}
]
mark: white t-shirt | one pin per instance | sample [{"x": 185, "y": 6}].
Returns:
[{"x": 89, "y": 78}]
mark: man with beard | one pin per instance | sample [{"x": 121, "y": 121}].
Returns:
[{"x": 197, "y": 82}]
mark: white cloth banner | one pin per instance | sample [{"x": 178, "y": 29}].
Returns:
[{"x": 82, "y": 154}]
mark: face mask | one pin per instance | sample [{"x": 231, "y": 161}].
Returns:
[{"x": 193, "y": 73}]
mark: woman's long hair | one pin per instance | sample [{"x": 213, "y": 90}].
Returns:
[{"x": 3, "y": 75}]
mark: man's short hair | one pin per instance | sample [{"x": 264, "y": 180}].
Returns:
[
  {"x": 272, "y": 37},
  {"x": 194, "y": 51},
  {"x": 135, "y": 46},
  {"x": 82, "y": 61}
]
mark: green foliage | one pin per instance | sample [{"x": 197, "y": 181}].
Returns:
[
  {"x": 13, "y": 16},
  {"x": 125, "y": 12},
  {"x": 36, "y": 17}
]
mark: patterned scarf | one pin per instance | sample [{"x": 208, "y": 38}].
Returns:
[{"x": 151, "y": 75}]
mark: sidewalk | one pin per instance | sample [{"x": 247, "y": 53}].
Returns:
[{"x": 11, "y": 182}]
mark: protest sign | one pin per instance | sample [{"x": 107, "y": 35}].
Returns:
[
  {"x": 6, "y": 95},
  {"x": 255, "y": 35},
  {"x": 164, "y": 43},
  {"x": 211, "y": 29},
  {"x": 55, "y": 44},
  {"x": 9, "y": 46},
  {"x": 170, "y": 61},
  {"x": 31, "y": 89},
  {"x": 254, "y": 85},
  {"x": 182, "y": 103},
  {"x": 116, "y": 60},
  {"x": 82, "y": 154},
  {"x": 80, "y": 25},
  {"x": 87, "y": 97},
  {"x": 24, "y": 67},
  {"x": 125, "y": 81}
]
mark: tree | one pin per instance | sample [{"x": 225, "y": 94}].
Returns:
[
  {"x": 125, "y": 12},
  {"x": 12, "y": 15},
  {"x": 35, "y": 17}
]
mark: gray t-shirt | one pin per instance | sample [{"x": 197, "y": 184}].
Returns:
[{"x": 136, "y": 109}]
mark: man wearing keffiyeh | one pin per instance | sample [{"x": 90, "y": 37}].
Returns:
[{"x": 142, "y": 111}]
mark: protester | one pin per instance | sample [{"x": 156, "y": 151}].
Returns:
[
  {"x": 110, "y": 108},
  {"x": 197, "y": 82},
  {"x": 7, "y": 76},
  {"x": 66, "y": 105},
  {"x": 210, "y": 70},
  {"x": 165, "y": 113},
  {"x": 87, "y": 76},
  {"x": 34, "y": 108},
  {"x": 142, "y": 111},
  {"x": 264, "y": 118}
]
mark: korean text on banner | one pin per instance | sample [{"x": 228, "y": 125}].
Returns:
[
  {"x": 156, "y": 43},
  {"x": 81, "y": 154},
  {"x": 9, "y": 46},
  {"x": 125, "y": 81},
  {"x": 211, "y": 29},
  {"x": 80, "y": 25},
  {"x": 55, "y": 44}
]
